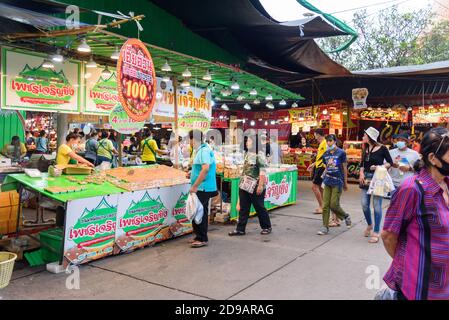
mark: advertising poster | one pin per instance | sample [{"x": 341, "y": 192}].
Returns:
[
  {"x": 150, "y": 216},
  {"x": 101, "y": 93},
  {"x": 121, "y": 122},
  {"x": 194, "y": 105},
  {"x": 136, "y": 80},
  {"x": 90, "y": 229},
  {"x": 279, "y": 189},
  {"x": 28, "y": 85},
  {"x": 430, "y": 114},
  {"x": 359, "y": 96}
]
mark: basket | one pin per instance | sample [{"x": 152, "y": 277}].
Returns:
[{"x": 6, "y": 266}]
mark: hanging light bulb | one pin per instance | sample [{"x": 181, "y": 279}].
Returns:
[
  {"x": 253, "y": 92},
  {"x": 266, "y": 122},
  {"x": 286, "y": 119},
  {"x": 325, "y": 111},
  {"x": 185, "y": 83},
  {"x": 282, "y": 102},
  {"x": 269, "y": 97},
  {"x": 253, "y": 123},
  {"x": 58, "y": 56},
  {"x": 235, "y": 86},
  {"x": 224, "y": 106},
  {"x": 186, "y": 73},
  {"x": 166, "y": 78},
  {"x": 116, "y": 54},
  {"x": 207, "y": 76},
  {"x": 256, "y": 102},
  {"x": 106, "y": 73},
  {"x": 294, "y": 105},
  {"x": 48, "y": 64},
  {"x": 83, "y": 46},
  {"x": 240, "y": 97},
  {"x": 87, "y": 75},
  {"x": 91, "y": 63},
  {"x": 273, "y": 122},
  {"x": 270, "y": 105},
  {"x": 166, "y": 67},
  {"x": 247, "y": 106}
]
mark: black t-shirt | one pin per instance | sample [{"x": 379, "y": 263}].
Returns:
[{"x": 376, "y": 158}]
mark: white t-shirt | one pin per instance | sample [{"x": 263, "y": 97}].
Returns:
[{"x": 406, "y": 157}]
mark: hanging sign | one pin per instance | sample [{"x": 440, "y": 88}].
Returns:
[
  {"x": 189, "y": 100},
  {"x": 336, "y": 121},
  {"x": 101, "y": 91},
  {"x": 28, "y": 84},
  {"x": 136, "y": 80},
  {"x": 194, "y": 120},
  {"x": 359, "y": 96},
  {"x": 121, "y": 122},
  {"x": 379, "y": 114},
  {"x": 430, "y": 114}
]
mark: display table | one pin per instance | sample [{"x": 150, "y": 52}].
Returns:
[
  {"x": 4, "y": 171},
  {"x": 104, "y": 219},
  {"x": 281, "y": 191}
]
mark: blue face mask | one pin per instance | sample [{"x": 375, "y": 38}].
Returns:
[
  {"x": 332, "y": 147},
  {"x": 401, "y": 144}
]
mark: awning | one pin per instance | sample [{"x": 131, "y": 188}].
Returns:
[{"x": 245, "y": 26}]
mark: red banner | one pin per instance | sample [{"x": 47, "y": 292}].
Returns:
[
  {"x": 136, "y": 80},
  {"x": 220, "y": 120}
]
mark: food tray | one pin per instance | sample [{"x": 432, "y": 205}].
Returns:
[{"x": 59, "y": 190}]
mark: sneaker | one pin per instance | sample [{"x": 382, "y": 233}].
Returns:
[
  {"x": 323, "y": 231},
  {"x": 348, "y": 221}
]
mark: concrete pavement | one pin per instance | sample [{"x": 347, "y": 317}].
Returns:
[{"x": 291, "y": 263}]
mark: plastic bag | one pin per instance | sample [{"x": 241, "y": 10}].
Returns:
[
  {"x": 194, "y": 208},
  {"x": 386, "y": 294}
]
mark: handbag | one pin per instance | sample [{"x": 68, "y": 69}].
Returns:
[
  {"x": 368, "y": 178},
  {"x": 248, "y": 184}
]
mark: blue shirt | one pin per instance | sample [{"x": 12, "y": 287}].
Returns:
[
  {"x": 204, "y": 155},
  {"x": 41, "y": 144},
  {"x": 334, "y": 175}
]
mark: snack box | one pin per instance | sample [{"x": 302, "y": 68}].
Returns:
[{"x": 75, "y": 169}]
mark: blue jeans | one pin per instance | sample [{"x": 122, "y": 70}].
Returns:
[{"x": 366, "y": 206}]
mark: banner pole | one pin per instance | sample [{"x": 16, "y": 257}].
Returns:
[{"x": 175, "y": 92}]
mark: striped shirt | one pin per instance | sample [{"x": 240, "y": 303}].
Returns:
[{"x": 420, "y": 268}]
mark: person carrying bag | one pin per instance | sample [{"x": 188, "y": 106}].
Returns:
[{"x": 252, "y": 190}]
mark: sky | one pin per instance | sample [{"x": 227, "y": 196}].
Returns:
[{"x": 285, "y": 10}]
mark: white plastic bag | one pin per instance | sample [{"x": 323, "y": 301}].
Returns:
[{"x": 194, "y": 208}]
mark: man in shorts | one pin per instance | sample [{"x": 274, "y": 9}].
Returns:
[{"x": 318, "y": 170}]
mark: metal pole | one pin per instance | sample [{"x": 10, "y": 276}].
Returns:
[
  {"x": 119, "y": 145},
  {"x": 175, "y": 92},
  {"x": 62, "y": 126}
]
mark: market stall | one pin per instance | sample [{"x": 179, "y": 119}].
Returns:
[
  {"x": 281, "y": 181},
  {"x": 114, "y": 211}
]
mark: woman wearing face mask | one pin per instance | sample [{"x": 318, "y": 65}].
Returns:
[
  {"x": 374, "y": 155},
  {"x": 66, "y": 153},
  {"x": 416, "y": 229}
]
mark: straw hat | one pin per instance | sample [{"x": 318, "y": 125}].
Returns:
[{"x": 372, "y": 133}]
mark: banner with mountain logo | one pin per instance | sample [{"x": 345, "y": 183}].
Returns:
[
  {"x": 90, "y": 229},
  {"x": 101, "y": 91},
  {"x": 150, "y": 216},
  {"x": 28, "y": 84}
]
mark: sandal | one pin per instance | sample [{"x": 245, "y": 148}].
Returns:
[
  {"x": 192, "y": 240},
  {"x": 334, "y": 223},
  {"x": 367, "y": 233},
  {"x": 318, "y": 211},
  {"x": 236, "y": 233},
  {"x": 198, "y": 244},
  {"x": 374, "y": 239},
  {"x": 265, "y": 231}
]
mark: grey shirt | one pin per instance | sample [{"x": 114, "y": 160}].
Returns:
[{"x": 406, "y": 157}]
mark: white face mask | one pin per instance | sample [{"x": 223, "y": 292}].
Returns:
[{"x": 75, "y": 146}]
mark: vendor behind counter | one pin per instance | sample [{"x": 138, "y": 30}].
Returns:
[
  {"x": 66, "y": 154},
  {"x": 14, "y": 150}
]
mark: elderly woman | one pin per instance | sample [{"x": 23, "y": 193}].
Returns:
[{"x": 416, "y": 229}]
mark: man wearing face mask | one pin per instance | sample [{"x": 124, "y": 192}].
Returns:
[{"x": 404, "y": 159}]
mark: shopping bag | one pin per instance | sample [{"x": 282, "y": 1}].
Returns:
[{"x": 194, "y": 208}]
